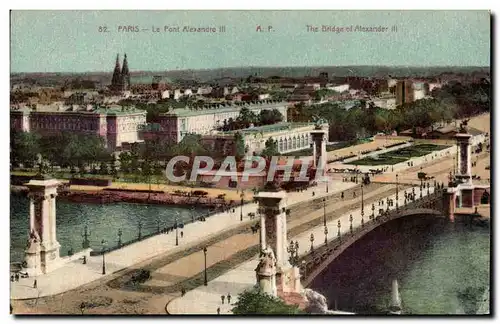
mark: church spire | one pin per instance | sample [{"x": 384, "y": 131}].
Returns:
[
  {"x": 116, "y": 80},
  {"x": 125, "y": 74}
]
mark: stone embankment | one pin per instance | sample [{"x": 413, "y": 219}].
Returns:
[{"x": 115, "y": 196}]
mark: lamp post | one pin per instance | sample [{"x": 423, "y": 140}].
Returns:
[
  {"x": 205, "y": 281},
  {"x": 139, "y": 235},
  {"x": 82, "y": 307},
  {"x": 103, "y": 243},
  {"x": 373, "y": 211},
  {"x": 297, "y": 252},
  {"x": 157, "y": 225},
  {"x": 120, "y": 237},
  {"x": 85, "y": 235},
  {"x": 312, "y": 241},
  {"x": 324, "y": 212},
  {"x": 397, "y": 193},
  {"x": 338, "y": 226},
  {"x": 242, "y": 194},
  {"x": 350, "y": 219},
  {"x": 292, "y": 249},
  {"x": 362, "y": 206},
  {"x": 176, "y": 231},
  {"x": 326, "y": 235}
]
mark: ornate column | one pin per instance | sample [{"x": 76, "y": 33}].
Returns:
[
  {"x": 272, "y": 210},
  {"x": 464, "y": 163},
  {"x": 319, "y": 138},
  {"x": 42, "y": 243}
]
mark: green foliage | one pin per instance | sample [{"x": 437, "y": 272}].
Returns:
[
  {"x": 253, "y": 302},
  {"x": 271, "y": 148},
  {"x": 24, "y": 148},
  {"x": 240, "y": 146}
]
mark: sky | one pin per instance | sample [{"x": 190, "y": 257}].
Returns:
[{"x": 74, "y": 41}]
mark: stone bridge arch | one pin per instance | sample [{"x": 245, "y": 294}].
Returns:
[{"x": 318, "y": 260}]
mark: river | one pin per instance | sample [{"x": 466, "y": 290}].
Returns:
[
  {"x": 441, "y": 268},
  {"x": 102, "y": 220}
]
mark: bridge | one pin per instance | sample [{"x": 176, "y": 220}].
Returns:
[{"x": 428, "y": 201}]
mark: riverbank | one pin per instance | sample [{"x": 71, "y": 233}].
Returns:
[{"x": 116, "y": 196}]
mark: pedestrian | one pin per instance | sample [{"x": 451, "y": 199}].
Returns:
[
  {"x": 182, "y": 234},
  {"x": 354, "y": 194},
  {"x": 313, "y": 193},
  {"x": 34, "y": 284},
  {"x": 183, "y": 291},
  {"x": 222, "y": 298},
  {"x": 218, "y": 310},
  {"x": 12, "y": 278},
  {"x": 17, "y": 276},
  {"x": 342, "y": 195},
  {"x": 229, "y": 295}
]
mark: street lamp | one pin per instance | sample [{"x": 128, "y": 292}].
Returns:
[
  {"x": 362, "y": 206},
  {"x": 157, "y": 225},
  {"x": 373, "y": 211},
  {"x": 82, "y": 307},
  {"x": 324, "y": 212},
  {"x": 139, "y": 235},
  {"x": 292, "y": 249},
  {"x": 120, "y": 237},
  {"x": 397, "y": 193},
  {"x": 192, "y": 214},
  {"x": 205, "y": 281},
  {"x": 312, "y": 241},
  {"x": 242, "y": 194},
  {"x": 326, "y": 235},
  {"x": 297, "y": 251},
  {"x": 350, "y": 219},
  {"x": 338, "y": 226},
  {"x": 103, "y": 243},
  {"x": 176, "y": 230}
]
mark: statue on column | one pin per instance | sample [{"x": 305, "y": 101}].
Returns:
[
  {"x": 463, "y": 126},
  {"x": 266, "y": 272},
  {"x": 33, "y": 239}
]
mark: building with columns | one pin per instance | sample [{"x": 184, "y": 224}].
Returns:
[
  {"x": 174, "y": 125},
  {"x": 116, "y": 124}
]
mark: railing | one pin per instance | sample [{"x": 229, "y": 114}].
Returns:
[{"x": 311, "y": 261}]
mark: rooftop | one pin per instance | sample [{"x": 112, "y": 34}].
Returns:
[
  {"x": 222, "y": 108},
  {"x": 110, "y": 110},
  {"x": 270, "y": 128}
]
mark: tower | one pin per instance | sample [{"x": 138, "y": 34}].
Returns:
[
  {"x": 125, "y": 75},
  {"x": 117, "y": 78},
  {"x": 42, "y": 251}
]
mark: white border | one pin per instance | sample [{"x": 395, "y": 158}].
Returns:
[{"x": 185, "y": 4}]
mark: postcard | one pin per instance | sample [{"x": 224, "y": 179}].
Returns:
[{"x": 232, "y": 162}]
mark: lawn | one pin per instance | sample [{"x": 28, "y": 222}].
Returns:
[
  {"x": 400, "y": 155},
  {"x": 379, "y": 161}
]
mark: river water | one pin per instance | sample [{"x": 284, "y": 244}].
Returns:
[
  {"x": 102, "y": 220},
  {"x": 441, "y": 268}
]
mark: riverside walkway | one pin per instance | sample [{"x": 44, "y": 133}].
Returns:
[
  {"x": 75, "y": 274},
  {"x": 206, "y": 299}
]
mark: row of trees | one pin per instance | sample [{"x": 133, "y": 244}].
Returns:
[
  {"x": 248, "y": 117},
  {"x": 450, "y": 102}
]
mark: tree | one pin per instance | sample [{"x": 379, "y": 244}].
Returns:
[
  {"x": 253, "y": 302},
  {"x": 269, "y": 117},
  {"x": 271, "y": 148},
  {"x": 240, "y": 146},
  {"x": 246, "y": 117},
  {"x": 25, "y": 148}
]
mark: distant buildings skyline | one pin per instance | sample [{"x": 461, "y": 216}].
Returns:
[{"x": 86, "y": 41}]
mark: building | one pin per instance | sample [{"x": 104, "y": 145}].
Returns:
[
  {"x": 117, "y": 125},
  {"x": 290, "y": 137},
  {"x": 173, "y": 126},
  {"x": 121, "y": 77},
  {"x": 404, "y": 92},
  {"x": 385, "y": 103},
  {"x": 338, "y": 88}
]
